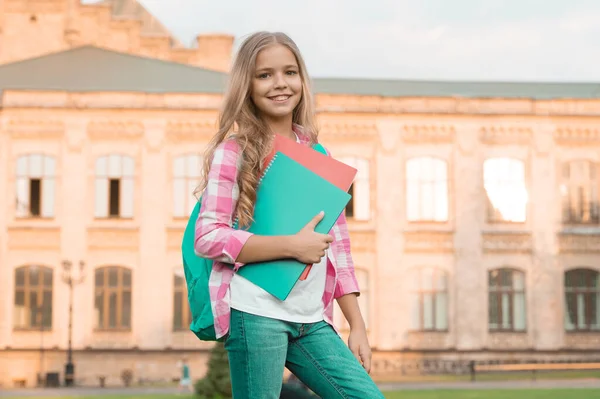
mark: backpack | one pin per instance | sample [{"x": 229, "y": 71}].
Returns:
[{"x": 197, "y": 273}]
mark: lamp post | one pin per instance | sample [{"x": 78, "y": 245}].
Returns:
[{"x": 71, "y": 280}]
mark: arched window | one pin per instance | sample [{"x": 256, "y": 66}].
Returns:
[
  {"x": 427, "y": 189},
  {"x": 186, "y": 177},
  {"x": 33, "y": 297},
  {"x": 114, "y": 186},
  {"x": 582, "y": 297},
  {"x": 112, "y": 304},
  {"x": 507, "y": 309},
  {"x": 182, "y": 317},
  {"x": 504, "y": 182},
  {"x": 580, "y": 190},
  {"x": 359, "y": 207},
  {"x": 35, "y": 186},
  {"x": 428, "y": 299}
]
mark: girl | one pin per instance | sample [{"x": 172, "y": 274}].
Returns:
[{"x": 269, "y": 94}]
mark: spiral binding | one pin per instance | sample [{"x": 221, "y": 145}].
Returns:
[
  {"x": 235, "y": 222},
  {"x": 267, "y": 168}
]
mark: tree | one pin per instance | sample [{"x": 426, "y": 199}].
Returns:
[{"x": 216, "y": 384}]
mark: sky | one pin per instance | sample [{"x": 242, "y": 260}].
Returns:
[{"x": 490, "y": 40}]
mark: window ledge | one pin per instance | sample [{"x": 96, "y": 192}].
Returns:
[
  {"x": 583, "y": 230},
  {"x": 36, "y": 223},
  {"x": 32, "y": 330},
  {"x": 114, "y": 223}
]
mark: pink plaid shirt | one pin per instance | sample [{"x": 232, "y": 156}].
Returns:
[{"x": 216, "y": 239}]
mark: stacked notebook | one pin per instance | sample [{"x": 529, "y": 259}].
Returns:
[{"x": 297, "y": 184}]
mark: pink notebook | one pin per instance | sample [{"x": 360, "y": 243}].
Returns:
[{"x": 332, "y": 170}]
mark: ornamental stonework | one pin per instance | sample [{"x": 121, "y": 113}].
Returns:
[
  {"x": 190, "y": 130},
  {"x": 34, "y": 238},
  {"x": 99, "y": 238},
  {"x": 35, "y": 129},
  {"x": 428, "y": 242},
  {"x": 356, "y": 131},
  {"x": 506, "y": 135},
  {"x": 579, "y": 243},
  {"x": 577, "y": 136},
  {"x": 434, "y": 134},
  {"x": 502, "y": 243},
  {"x": 115, "y": 130}
]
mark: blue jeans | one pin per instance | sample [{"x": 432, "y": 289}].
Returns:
[{"x": 259, "y": 348}]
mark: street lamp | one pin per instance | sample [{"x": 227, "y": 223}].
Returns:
[{"x": 71, "y": 280}]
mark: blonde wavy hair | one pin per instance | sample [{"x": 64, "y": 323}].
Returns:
[{"x": 240, "y": 120}]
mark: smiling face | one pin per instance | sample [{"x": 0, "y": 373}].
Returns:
[{"x": 276, "y": 84}]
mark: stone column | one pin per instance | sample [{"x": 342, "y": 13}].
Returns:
[
  {"x": 469, "y": 284},
  {"x": 154, "y": 277},
  {"x": 391, "y": 317},
  {"x": 5, "y": 271},
  {"x": 72, "y": 201},
  {"x": 546, "y": 296}
]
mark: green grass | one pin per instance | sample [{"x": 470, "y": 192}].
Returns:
[
  {"x": 498, "y": 394},
  {"x": 500, "y": 376},
  {"x": 433, "y": 394}
]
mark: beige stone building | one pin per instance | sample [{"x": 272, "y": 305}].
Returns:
[{"x": 475, "y": 219}]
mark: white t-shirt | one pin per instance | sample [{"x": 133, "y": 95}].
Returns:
[{"x": 304, "y": 304}]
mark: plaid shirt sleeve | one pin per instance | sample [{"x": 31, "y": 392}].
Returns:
[
  {"x": 216, "y": 239},
  {"x": 346, "y": 281}
]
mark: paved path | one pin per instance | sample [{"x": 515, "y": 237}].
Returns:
[{"x": 140, "y": 391}]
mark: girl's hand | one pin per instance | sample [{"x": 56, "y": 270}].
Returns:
[
  {"x": 309, "y": 246},
  {"x": 359, "y": 345}
]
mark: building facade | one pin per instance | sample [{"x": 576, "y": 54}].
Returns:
[{"x": 475, "y": 219}]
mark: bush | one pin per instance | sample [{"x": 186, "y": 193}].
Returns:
[
  {"x": 127, "y": 376},
  {"x": 216, "y": 384}
]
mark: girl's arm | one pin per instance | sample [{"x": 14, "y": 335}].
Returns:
[{"x": 216, "y": 239}]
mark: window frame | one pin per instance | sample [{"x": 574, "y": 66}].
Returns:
[
  {"x": 420, "y": 293},
  {"x": 47, "y": 176},
  {"x": 499, "y": 291},
  {"x": 588, "y": 294},
  {"x": 418, "y": 182},
  {"x": 41, "y": 288},
  {"x": 106, "y": 290}
]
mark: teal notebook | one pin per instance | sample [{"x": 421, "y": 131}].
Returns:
[{"x": 288, "y": 197}]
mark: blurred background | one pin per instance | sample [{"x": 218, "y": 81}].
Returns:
[{"x": 475, "y": 218}]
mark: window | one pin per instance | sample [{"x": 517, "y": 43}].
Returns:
[
  {"x": 114, "y": 187},
  {"x": 112, "y": 304},
  {"x": 429, "y": 300},
  {"x": 33, "y": 297},
  {"x": 182, "y": 317},
  {"x": 427, "y": 190},
  {"x": 359, "y": 207},
  {"x": 582, "y": 296},
  {"x": 504, "y": 182},
  {"x": 579, "y": 191},
  {"x": 35, "y": 186},
  {"x": 506, "y": 300},
  {"x": 362, "y": 276},
  {"x": 187, "y": 171}
]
